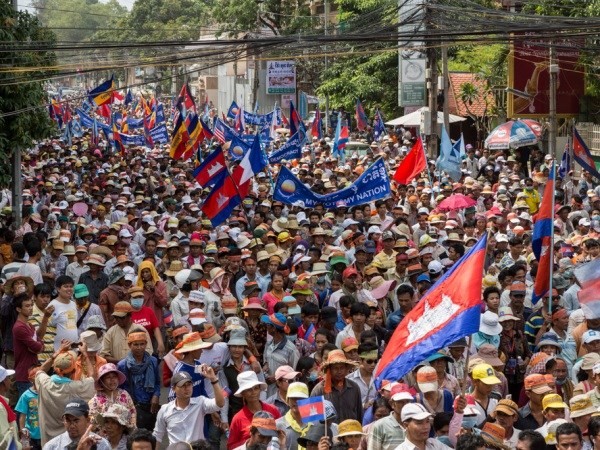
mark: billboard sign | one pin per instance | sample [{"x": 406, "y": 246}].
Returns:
[{"x": 281, "y": 77}]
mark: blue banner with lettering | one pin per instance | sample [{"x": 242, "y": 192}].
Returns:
[
  {"x": 159, "y": 134},
  {"x": 292, "y": 149},
  {"x": 132, "y": 139},
  {"x": 88, "y": 122},
  {"x": 252, "y": 119},
  {"x": 373, "y": 184},
  {"x": 134, "y": 123},
  {"x": 160, "y": 113}
]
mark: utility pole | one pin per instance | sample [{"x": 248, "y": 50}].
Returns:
[
  {"x": 326, "y": 6},
  {"x": 255, "y": 82},
  {"x": 552, "y": 112},
  {"x": 446, "y": 87},
  {"x": 16, "y": 169},
  {"x": 432, "y": 58}
]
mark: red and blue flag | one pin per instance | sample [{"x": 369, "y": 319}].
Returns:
[
  {"x": 316, "y": 129},
  {"x": 294, "y": 119},
  {"x": 211, "y": 169},
  {"x": 588, "y": 277},
  {"x": 312, "y": 409},
  {"x": 221, "y": 201},
  {"x": 342, "y": 135},
  {"x": 449, "y": 311},
  {"x": 361, "y": 118},
  {"x": 253, "y": 162},
  {"x": 581, "y": 154},
  {"x": 542, "y": 240}
]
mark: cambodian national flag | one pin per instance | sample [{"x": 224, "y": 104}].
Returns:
[
  {"x": 361, "y": 118},
  {"x": 581, "y": 154},
  {"x": 312, "y": 409},
  {"x": 210, "y": 170},
  {"x": 341, "y": 139},
  {"x": 542, "y": 240},
  {"x": 449, "y": 311},
  {"x": 316, "y": 129},
  {"x": 221, "y": 201},
  {"x": 588, "y": 277},
  {"x": 294, "y": 120}
]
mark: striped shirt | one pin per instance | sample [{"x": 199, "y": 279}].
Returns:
[
  {"x": 284, "y": 353},
  {"x": 36, "y": 320},
  {"x": 386, "y": 434}
]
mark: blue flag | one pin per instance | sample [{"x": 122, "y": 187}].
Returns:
[
  {"x": 134, "y": 123},
  {"x": 449, "y": 159},
  {"x": 128, "y": 97},
  {"x": 565, "y": 163},
  {"x": 76, "y": 128},
  {"x": 373, "y": 184},
  {"x": 160, "y": 113},
  {"x": 132, "y": 139},
  {"x": 292, "y": 149},
  {"x": 238, "y": 148},
  {"x": 159, "y": 134},
  {"x": 68, "y": 134},
  {"x": 378, "y": 126}
]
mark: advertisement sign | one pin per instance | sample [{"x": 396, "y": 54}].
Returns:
[
  {"x": 413, "y": 86},
  {"x": 281, "y": 77},
  {"x": 529, "y": 78}
]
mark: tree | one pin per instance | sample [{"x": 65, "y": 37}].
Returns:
[
  {"x": 238, "y": 17},
  {"x": 23, "y": 116}
]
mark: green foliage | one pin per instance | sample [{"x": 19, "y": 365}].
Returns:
[
  {"x": 18, "y": 131},
  {"x": 237, "y": 17},
  {"x": 77, "y": 20},
  {"x": 488, "y": 61}
]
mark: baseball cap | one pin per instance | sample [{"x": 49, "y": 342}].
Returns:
[
  {"x": 427, "y": 379},
  {"x": 507, "y": 407},
  {"x": 536, "y": 383},
  {"x": 5, "y": 373},
  {"x": 180, "y": 378},
  {"x": 264, "y": 423},
  {"x": 401, "y": 391},
  {"x": 76, "y": 407},
  {"x": 485, "y": 373},
  {"x": 590, "y": 336},
  {"x": 286, "y": 372},
  {"x": 414, "y": 411}
]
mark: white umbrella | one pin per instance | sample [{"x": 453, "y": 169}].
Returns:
[{"x": 414, "y": 119}]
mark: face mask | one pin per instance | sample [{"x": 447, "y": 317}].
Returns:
[
  {"x": 444, "y": 440},
  {"x": 137, "y": 303},
  {"x": 292, "y": 337},
  {"x": 560, "y": 382},
  {"x": 313, "y": 376},
  {"x": 160, "y": 253},
  {"x": 469, "y": 422},
  {"x": 529, "y": 188}
]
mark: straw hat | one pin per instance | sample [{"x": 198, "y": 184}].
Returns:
[
  {"x": 350, "y": 427},
  {"x": 27, "y": 280},
  {"x": 191, "y": 342},
  {"x": 174, "y": 267},
  {"x": 337, "y": 357},
  {"x": 380, "y": 287}
]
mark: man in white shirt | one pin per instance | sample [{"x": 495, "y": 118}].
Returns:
[
  {"x": 182, "y": 419},
  {"x": 417, "y": 423}
]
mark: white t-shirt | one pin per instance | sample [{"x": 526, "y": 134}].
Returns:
[{"x": 64, "y": 318}]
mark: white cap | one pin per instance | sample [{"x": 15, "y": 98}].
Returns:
[
  {"x": 125, "y": 233},
  {"x": 5, "y": 373},
  {"x": 414, "y": 411}
]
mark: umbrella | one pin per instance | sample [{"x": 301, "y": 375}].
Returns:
[
  {"x": 512, "y": 134},
  {"x": 456, "y": 201},
  {"x": 535, "y": 126},
  {"x": 414, "y": 119}
]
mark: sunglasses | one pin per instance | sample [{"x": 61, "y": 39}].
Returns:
[{"x": 370, "y": 361}]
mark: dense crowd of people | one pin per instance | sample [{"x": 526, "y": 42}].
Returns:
[{"x": 129, "y": 322}]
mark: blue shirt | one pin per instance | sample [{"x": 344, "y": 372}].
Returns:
[
  {"x": 28, "y": 406},
  {"x": 135, "y": 385},
  {"x": 197, "y": 380}
]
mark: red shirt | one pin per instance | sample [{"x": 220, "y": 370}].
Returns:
[
  {"x": 146, "y": 318},
  {"x": 26, "y": 346},
  {"x": 239, "y": 430}
]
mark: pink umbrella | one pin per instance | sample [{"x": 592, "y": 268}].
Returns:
[{"x": 456, "y": 201}]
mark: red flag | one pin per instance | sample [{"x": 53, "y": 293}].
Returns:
[{"x": 412, "y": 165}]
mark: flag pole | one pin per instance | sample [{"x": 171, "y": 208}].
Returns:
[
  {"x": 427, "y": 168},
  {"x": 325, "y": 414},
  {"x": 551, "y": 271},
  {"x": 463, "y": 382}
]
